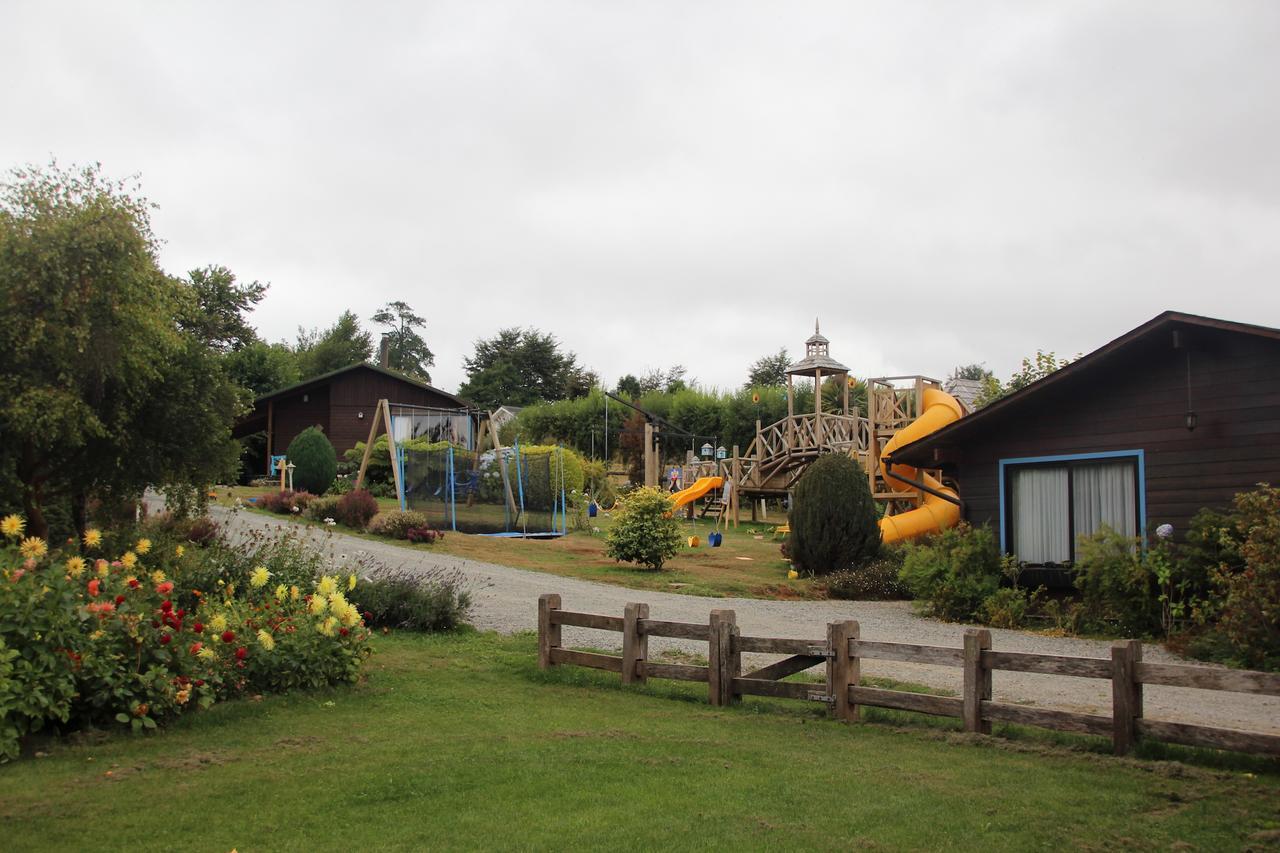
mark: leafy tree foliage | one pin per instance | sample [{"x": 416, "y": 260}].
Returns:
[
  {"x": 971, "y": 371},
  {"x": 628, "y": 387},
  {"x": 833, "y": 394},
  {"x": 103, "y": 390},
  {"x": 518, "y": 367},
  {"x": 341, "y": 345},
  {"x": 408, "y": 351},
  {"x": 262, "y": 367},
  {"x": 834, "y": 523},
  {"x": 1032, "y": 370},
  {"x": 769, "y": 371},
  {"x": 669, "y": 381},
  {"x": 221, "y": 306},
  {"x": 644, "y": 531}
]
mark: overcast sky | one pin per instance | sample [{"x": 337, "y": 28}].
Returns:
[{"x": 689, "y": 182}]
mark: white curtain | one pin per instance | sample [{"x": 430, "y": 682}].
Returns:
[
  {"x": 1041, "y": 531},
  {"x": 1104, "y": 494}
]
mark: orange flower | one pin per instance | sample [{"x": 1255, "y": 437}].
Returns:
[
  {"x": 94, "y": 586},
  {"x": 165, "y": 588}
]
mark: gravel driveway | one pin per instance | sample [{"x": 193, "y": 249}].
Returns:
[{"x": 506, "y": 601}]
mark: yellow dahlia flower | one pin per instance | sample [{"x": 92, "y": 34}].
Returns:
[
  {"x": 327, "y": 585},
  {"x": 158, "y": 576},
  {"x": 12, "y": 526},
  {"x": 351, "y": 582},
  {"x": 294, "y": 592},
  {"x": 129, "y": 560},
  {"x": 218, "y": 623},
  {"x": 328, "y": 627},
  {"x": 143, "y": 546},
  {"x": 265, "y": 640},
  {"x": 259, "y": 577},
  {"x": 281, "y": 592},
  {"x": 207, "y": 654},
  {"x": 317, "y": 605},
  {"x": 92, "y": 538},
  {"x": 33, "y": 548},
  {"x": 75, "y": 567},
  {"x": 179, "y": 551}
]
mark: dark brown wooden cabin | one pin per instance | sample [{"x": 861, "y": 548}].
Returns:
[
  {"x": 341, "y": 403},
  {"x": 1181, "y": 413}
]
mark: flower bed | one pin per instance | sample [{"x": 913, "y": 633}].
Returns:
[{"x": 132, "y": 632}]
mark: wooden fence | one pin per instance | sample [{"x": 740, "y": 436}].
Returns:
[{"x": 843, "y": 650}]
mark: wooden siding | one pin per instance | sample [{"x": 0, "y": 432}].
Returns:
[
  {"x": 359, "y": 391},
  {"x": 293, "y": 414},
  {"x": 1137, "y": 400}
]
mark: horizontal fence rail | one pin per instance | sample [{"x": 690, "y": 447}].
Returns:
[{"x": 843, "y": 650}]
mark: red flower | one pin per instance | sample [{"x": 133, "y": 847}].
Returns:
[
  {"x": 368, "y": 616},
  {"x": 199, "y": 682},
  {"x": 242, "y": 653},
  {"x": 166, "y": 605},
  {"x": 94, "y": 586},
  {"x": 181, "y": 613},
  {"x": 164, "y": 588},
  {"x": 133, "y": 583},
  {"x": 343, "y": 631},
  {"x": 165, "y": 638},
  {"x": 228, "y": 636},
  {"x": 119, "y": 599},
  {"x": 195, "y": 648},
  {"x": 198, "y": 628}
]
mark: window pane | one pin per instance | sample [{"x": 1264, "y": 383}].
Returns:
[
  {"x": 1041, "y": 532},
  {"x": 1103, "y": 493}
]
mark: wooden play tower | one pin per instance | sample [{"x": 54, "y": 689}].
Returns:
[{"x": 781, "y": 451}]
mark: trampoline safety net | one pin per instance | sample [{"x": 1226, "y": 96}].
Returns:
[{"x": 510, "y": 492}]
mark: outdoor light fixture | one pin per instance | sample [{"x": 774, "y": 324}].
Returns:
[
  {"x": 707, "y": 450},
  {"x": 359, "y": 416},
  {"x": 1189, "y": 418},
  {"x": 1191, "y": 421},
  {"x": 721, "y": 452}
]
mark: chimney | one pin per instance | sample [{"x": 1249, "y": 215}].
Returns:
[{"x": 384, "y": 352}]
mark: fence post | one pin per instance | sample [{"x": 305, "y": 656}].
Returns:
[
  {"x": 635, "y": 644},
  {"x": 719, "y": 654},
  {"x": 1126, "y": 694},
  {"x": 977, "y": 680},
  {"x": 548, "y": 634},
  {"x": 843, "y": 668}
]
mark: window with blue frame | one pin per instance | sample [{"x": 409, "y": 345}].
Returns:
[{"x": 1048, "y": 503}]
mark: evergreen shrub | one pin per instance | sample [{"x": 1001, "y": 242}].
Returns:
[
  {"x": 315, "y": 461},
  {"x": 834, "y": 523}
]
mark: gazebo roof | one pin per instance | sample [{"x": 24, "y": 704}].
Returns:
[{"x": 816, "y": 357}]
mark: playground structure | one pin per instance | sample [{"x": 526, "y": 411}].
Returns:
[
  {"x": 467, "y": 481},
  {"x": 900, "y": 410}
]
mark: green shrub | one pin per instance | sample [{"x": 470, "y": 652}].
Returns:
[
  {"x": 1249, "y": 615},
  {"x": 379, "y": 471},
  {"x": 644, "y": 531},
  {"x": 355, "y": 508},
  {"x": 1009, "y": 607},
  {"x": 434, "y": 601},
  {"x": 1116, "y": 584},
  {"x": 834, "y": 524},
  {"x": 325, "y": 507},
  {"x": 953, "y": 574},
  {"x": 876, "y": 581},
  {"x": 286, "y": 503},
  {"x": 315, "y": 461},
  {"x": 396, "y": 524}
]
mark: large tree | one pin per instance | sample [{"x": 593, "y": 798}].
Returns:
[
  {"x": 769, "y": 371},
  {"x": 262, "y": 367},
  {"x": 103, "y": 391},
  {"x": 220, "y": 308},
  {"x": 407, "y": 350},
  {"x": 518, "y": 367},
  {"x": 1033, "y": 369},
  {"x": 341, "y": 345}
]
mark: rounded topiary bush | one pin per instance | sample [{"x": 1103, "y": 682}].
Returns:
[
  {"x": 834, "y": 524},
  {"x": 315, "y": 461}
]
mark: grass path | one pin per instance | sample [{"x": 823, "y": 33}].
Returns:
[{"x": 459, "y": 742}]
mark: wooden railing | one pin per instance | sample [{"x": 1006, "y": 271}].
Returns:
[
  {"x": 843, "y": 650},
  {"x": 797, "y": 438}
]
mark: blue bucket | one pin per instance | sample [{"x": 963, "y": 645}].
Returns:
[{"x": 713, "y": 539}]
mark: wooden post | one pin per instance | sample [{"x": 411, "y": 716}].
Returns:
[
  {"x": 270, "y": 429},
  {"x": 791, "y": 412},
  {"x": 1126, "y": 694},
  {"x": 720, "y": 656},
  {"x": 649, "y": 467},
  {"x": 548, "y": 634},
  {"x": 734, "y": 500},
  {"x": 817, "y": 407},
  {"x": 844, "y": 670},
  {"x": 977, "y": 680},
  {"x": 368, "y": 445},
  {"x": 391, "y": 451},
  {"x": 512, "y": 506},
  {"x": 635, "y": 644},
  {"x": 846, "y": 395}
]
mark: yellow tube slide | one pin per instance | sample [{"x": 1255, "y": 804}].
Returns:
[
  {"x": 936, "y": 513},
  {"x": 699, "y": 488}
]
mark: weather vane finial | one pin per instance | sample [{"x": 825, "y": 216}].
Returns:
[{"x": 815, "y": 326}]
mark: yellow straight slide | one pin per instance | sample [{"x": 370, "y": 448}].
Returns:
[
  {"x": 699, "y": 488},
  {"x": 936, "y": 513}
]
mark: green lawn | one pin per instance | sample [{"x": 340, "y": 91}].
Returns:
[
  {"x": 460, "y": 742},
  {"x": 748, "y": 564}
]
